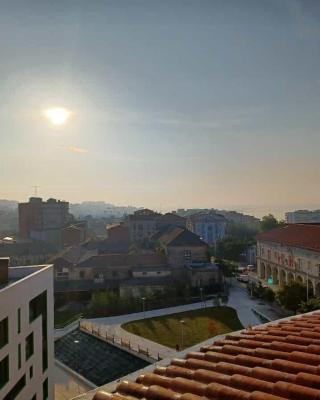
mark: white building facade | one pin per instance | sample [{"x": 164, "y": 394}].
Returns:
[
  {"x": 26, "y": 332},
  {"x": 302, "y": 216},
  {"x": 285, "y": 260}
]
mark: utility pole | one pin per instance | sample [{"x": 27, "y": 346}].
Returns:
[{"x": 35, "y": 190}]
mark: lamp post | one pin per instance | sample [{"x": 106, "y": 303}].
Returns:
[
  {"x": 182, "y": 324},
  {"x": 201, "y": 296},
  {"x": 307, "y": 282},
  {"x": 76, "y": 342},
  {"x": 143, "y": 306}
]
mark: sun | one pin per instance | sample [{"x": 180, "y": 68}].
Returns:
[{"x": 57, "y": 115}]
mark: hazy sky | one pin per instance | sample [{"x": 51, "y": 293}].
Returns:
[{"x": 176, "y": 103}]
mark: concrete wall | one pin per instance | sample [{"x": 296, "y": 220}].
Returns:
[{"x": 16, "y": 296}]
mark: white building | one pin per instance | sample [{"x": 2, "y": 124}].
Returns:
[
  {"x": 302, "y": 216},
  {"x": 26, "y": 332},
  {"x": 290, "y": 253},
  {"x": 208, "y": 225}
]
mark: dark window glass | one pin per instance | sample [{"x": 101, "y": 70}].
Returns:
[
  {"x": 31, "y": 372},
  {"x": 37, "y": 307},
  {"x": 4, "y": 371},
  {"x": 29, "y": 346},
  {"x": 45, "y": 389},
  {"x": 19, "y": 320},
  {"x": 16, "y": 389},
  {"x": 4, "y": 332},
  {"x": 19, "y": 356}
]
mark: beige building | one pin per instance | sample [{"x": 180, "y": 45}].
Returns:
[
  {"x": 142, "y": 225},
  {"x": 182, "y": 247},
  {"x": 290, "y": 253},
  {"x": 26, "y": 332}
]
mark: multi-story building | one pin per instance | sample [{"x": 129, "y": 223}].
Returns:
[
  {"x": 39, "y": 216},
  {"x": 142, "y": 225},
  {"x": 302, "y": 216},
  {"x": 208, "y": 225},
  {"x": 290, "y": 253},
  {"x": 26, "y": 332}
]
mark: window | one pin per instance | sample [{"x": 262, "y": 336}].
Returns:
[
  {"x": 16, "y": 389},
  {"x": 114, "y": 273},
  {"x": 4, "y": 371},
  {"x": 29, "y": 346},
  {"x": 82, "y": 274},
  {"x": 45, "y": 389},
  {"x": 4, "y": 332},
  {"x": 31, "y": 372},
  {"x": 19, "y": 355},
  {"x": 19, "y": 320},
  {"x": 37, "y": 307}
]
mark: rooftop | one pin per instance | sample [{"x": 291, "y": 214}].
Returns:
[
  {"x": 306, "y": 236},
  {"x": 16, "y": 274},
  {"x": 181, "y": 237},
  {"x": 275, "y": 361}
]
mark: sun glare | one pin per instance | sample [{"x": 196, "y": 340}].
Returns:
[{"x": 57, "y": 115}]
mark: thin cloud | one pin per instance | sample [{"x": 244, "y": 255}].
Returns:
[{"x": 77, "y": 150}]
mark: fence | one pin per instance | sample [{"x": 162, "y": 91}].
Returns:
[{"x": 126, "y": 344}]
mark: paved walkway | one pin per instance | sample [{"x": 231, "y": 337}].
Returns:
[
  {"x": 238, "y": 299},
  {"x": 112, "y": 325}
]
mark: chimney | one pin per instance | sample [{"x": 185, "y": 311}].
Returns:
[{"x": 4, "y": 270}]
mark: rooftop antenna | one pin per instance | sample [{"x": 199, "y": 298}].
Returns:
[{"x": 35, "y": 190}]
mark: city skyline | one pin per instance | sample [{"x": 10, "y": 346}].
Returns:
[{"x": 173, "y": 104}]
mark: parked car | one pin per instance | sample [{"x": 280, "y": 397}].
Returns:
[{"x": 243, "y": 278}]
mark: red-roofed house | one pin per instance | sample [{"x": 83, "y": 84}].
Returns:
[{"x": 290, "y": 253}]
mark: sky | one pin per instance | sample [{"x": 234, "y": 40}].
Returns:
[{"x": 175, "y": 103}]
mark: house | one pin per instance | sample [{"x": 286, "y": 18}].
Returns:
[
  {"x": 209, "y": 226},
  {"x": 290, "y": 253},
  {"x": 182, "y": 247},
  {"x": 107, "y": 271}
]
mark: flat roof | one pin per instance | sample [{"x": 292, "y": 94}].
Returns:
[{"x": 21, "y": 272}]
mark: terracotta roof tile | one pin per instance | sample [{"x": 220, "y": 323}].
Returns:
[{"x": 272, "y": 362}]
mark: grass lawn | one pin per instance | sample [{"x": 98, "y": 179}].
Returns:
[{"x": 198, "y": 326}]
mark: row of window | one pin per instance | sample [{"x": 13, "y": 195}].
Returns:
[{"x": 4, "y": 329}]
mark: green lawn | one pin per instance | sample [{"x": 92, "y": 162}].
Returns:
[{"x": 199, "y": 325}]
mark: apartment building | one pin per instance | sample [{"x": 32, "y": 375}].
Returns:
[
  {"x": 290, "y": 253},
  {"x": 26, "y": 332},
  {"x": 142, "y": 225},
  {"x": 39, "y": 216},
  {"x": 302, "y": 216},
  {"x": 209, "y": 226}
]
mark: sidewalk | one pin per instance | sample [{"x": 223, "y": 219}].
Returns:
[{"x": 112, "y": 325}]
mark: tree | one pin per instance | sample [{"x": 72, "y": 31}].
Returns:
[
  {"x": 290, "y": 296},
  {"x": 310, "y": 305},
  {"x": 230, "y": 248},
  {"x": 269, "y": 222}
]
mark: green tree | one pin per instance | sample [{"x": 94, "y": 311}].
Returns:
[
  {"x": 310, "y": 305},
  {"x": 290, "y": 296},
  {"x": 269, "y": 222},
  {"x": 230, "y": 248}
]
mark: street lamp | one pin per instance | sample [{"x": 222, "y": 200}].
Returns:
[
  {"x": 143, "y": 306},
  {"x": 76, "y": 342},
  {"x": 182, "y": 322},
  {"x": 201, "y": 296}
]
